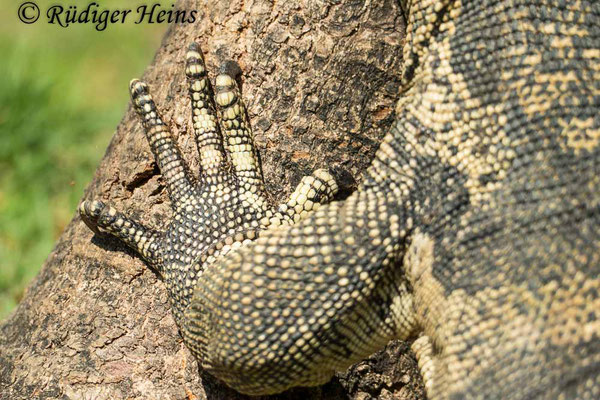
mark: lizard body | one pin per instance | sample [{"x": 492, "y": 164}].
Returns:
[{"x": 476, "y": 230}]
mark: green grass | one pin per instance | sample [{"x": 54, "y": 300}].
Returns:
[{"x": 62, "y": 93}]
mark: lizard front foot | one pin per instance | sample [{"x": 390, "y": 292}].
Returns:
[{"x": 225, "y": 207}]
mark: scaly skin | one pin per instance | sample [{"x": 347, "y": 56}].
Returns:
[
  {"x": 476, "y": 230},
  {"x": 226, "y": 208}
]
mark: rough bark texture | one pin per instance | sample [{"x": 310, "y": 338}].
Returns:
[{"x": 320, "y": 79}]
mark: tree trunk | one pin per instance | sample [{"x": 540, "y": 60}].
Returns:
[{"x": 320, "y": 79}]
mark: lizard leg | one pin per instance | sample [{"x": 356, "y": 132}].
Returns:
[
  {"x": 163, "y": 146},
  {"x": 237, "y": 135},
  {"x": 304, "y": 300},
  {"x": 102, "y": 218},
  {"x": 206, "y": 127}
]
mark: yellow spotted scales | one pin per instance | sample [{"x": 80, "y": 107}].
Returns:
[
  {"x": 475, "y": 232},
  {"x": 227, "y": 206}
]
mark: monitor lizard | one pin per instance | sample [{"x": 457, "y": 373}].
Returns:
[{"x": 475, "y": 232}]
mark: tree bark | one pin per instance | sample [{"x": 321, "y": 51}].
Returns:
[{"x": 320, "y": 79}]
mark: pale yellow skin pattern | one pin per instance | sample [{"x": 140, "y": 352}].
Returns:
[{"x": 475, "y": 232}]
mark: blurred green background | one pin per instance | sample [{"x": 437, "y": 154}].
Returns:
[{"x": 62, "y": 93}]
